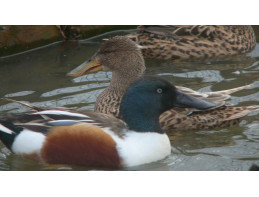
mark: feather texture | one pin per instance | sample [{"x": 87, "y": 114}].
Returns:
[
  {"x": 193, "y": 41},
  {"x": 132, "y": 66}
]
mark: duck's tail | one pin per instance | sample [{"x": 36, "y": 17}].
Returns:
[
  {"x": 8, "y": 132},
  {"x": 233, "y": 90},
  {"x": 253, "y": 108},
  {"x": 21, "y": 141}
]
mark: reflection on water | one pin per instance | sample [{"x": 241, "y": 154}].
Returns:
[{"x": 39, "y": 77}]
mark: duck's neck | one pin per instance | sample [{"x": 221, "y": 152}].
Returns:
[
  {"x": 109, "y": 100},
  {"x": 122, "y": 79},
  {"x": 139, "y": 118},
  {"x": 143, "y": 123}
]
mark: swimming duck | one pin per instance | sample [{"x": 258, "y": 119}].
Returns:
[
  {"x": 193, "y": 41},
  {"x": 58, "y": 136},
  {"x": 123, "y": 57}
]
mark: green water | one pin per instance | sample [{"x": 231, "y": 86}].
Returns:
[{"x": 39, "y": 77}]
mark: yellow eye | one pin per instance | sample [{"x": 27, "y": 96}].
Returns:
[{"x": 159, "y": 90}]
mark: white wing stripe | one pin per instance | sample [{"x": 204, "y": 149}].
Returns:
[
  {"x": 6, "y": 130},
  {"x": 57, "y": 112}
]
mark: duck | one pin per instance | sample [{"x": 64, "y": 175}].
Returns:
[
  {"x": 123, "y": 57},
  {"x": 172, "y": 42},
  {"x": 61, "y": 136}
]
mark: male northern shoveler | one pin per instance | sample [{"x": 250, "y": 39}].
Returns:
[
  {"x": 56, "y": 136},
  {"x": 123, "y": 57},
  {"x": 193, "y": 41}
]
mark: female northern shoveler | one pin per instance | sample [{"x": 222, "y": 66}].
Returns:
[
  {"x": 94, "y": 139},
  {"x": 123, "y": 57},
  {"x": 194, "y": 41}
]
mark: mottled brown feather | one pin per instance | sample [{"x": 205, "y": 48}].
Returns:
[
  {"x": 221, "y": 117},
  {"x": 109, "y": 100},
  {"x": 194, "y": 41},
  {"x": 125, "y": 71}
]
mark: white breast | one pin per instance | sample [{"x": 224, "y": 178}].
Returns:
[{"x": 138, "y": 148}]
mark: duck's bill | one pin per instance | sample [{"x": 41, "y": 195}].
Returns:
[
  {"x": 90, "y": 66},
  {"x": 185, "y": 100}
]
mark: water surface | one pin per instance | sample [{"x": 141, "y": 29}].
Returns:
[{"x": 39, "y": 77}]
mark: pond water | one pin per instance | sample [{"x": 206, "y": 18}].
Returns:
[{"x": 39, "y": 77}]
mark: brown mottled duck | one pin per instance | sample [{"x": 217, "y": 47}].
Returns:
[
  {"x": 124, "y": 58},
  {"x": 193, "y": 41}
]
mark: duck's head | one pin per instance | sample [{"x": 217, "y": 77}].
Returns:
[
  {"x": 118, "y": 54},
  {"x": 149, "y": 97}
]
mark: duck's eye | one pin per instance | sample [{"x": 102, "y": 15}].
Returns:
[{"x": 159, "y": 90}]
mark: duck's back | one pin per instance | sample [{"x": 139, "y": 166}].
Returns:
[
  {"x": 222, "y": 117},
  {"x": 194, "y": 41}
]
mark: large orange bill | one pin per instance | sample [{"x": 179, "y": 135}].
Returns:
[{"x": 90, "y": 66}]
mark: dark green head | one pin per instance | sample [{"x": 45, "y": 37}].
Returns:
[{"x": 149, "y": 97}]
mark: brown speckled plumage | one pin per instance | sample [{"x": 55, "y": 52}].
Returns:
[
  {"x": 126, "y": 63},
  {"x": 194, "y": 41},
  {"x": 125, "y": 71},
  {"x": 221, "y": 117}
]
